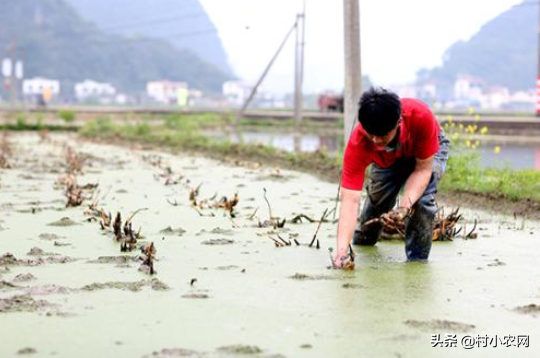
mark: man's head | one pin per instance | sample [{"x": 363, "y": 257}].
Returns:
[{"x": 379, "y": 114}]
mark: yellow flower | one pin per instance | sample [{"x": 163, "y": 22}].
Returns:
[
  {"x": 449, "y": 119},
  {"x": 471, "y": 110},
  {"x": 496, "y": 149},
  {"x": 460, "y": 126},
  {"x": 484, "y": 130},
  {"x": 476, "y": 143},
  {"x": 468, "y": 143},
  {"x": 477, "y": 117}
]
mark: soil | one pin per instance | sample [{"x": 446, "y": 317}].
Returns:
[
  {"x": 440, "y": 325},
  {"x": 22, "y": 303},
  {"x": 154, "y": 283},
  {"x": 532, "y": 309}
]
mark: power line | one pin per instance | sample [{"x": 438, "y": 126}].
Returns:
[{"x": 153, "y": 22}]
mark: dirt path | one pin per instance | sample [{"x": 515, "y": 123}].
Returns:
[{"x": 222, "y": 288}]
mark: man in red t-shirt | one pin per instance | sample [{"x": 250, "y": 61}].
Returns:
[{"x": 407, "y": 149}]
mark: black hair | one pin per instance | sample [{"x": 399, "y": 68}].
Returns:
[{"x": 379, "y": 111}]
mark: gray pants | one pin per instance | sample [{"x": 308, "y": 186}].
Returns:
[{"x": 382, "y": 193}]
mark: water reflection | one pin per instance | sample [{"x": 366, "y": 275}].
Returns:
[{"x": 512, "y": 155}]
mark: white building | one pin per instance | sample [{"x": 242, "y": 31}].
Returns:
[
  {"x": 92, "y": 89},
  {"x": 165, "y": 91},
  {"x": 41, "y": 86},
  {"x": 468, "y": 88},
  {"x": 495, "y": 98},
  {"x": 236, "y": 92}
]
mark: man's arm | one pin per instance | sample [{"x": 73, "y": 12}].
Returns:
[
  {"x": 417, "y": 182},
  {"x": 348, "y": 216}
]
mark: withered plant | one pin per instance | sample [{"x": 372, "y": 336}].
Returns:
[
  {"x": 228, "y": 204},
  {"x": 274, "y": 222},
  {"x": 5, "y": 151},
  {"x": 445, "y": 227},
  {"x": 74, "y": 162},
  {"x": 74, "y": 195},
  {"x": 148, "y": 254},
  {"x": 193, "y": 195}
]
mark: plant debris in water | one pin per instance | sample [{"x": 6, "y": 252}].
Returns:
[
  {"x": 304, "y": 277},
  {"x": 444, "y": 227},
  {"x": 26, "y": 351},
  {"x": 240, "y": 349},
  {"x": 22, "y": 303},
  {"x": 532, "y": 309},
  {"x": 5, "y": 151},
  {"x": 24, "y": 277},
  {"x": 440, "y": 325},
  {"x": 231, "y": 351},
  {"x": 170, "y": 231},
  {"x": 36, "y": 251},
  {"x": 136, "y": 286},
  {"x": 218, "y": 242},
  {"x": 148, "y": 254},
  {"x": 274, "y": 222},
  {"x": 196, "y": 295},
  {"x": 63, "y": 222},
  {"x": 119, "y": 260},
  {"x": 6, "y": 285}
]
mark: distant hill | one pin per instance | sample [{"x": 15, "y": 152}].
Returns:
[
  {"x": 184, "y": 23},
  {"x": 56, "y": 42},
  {"x": 503, "y": 53}
]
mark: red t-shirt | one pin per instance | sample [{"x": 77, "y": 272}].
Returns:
[{"x": 418, "y": 138}]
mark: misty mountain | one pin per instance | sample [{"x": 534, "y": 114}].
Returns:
[
  {"x": 56, "y": 42},
  {"x": 503, "y": 53},
  {"x": 183, "y": 23}
]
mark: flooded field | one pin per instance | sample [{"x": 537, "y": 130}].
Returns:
[
  {"x": 513, "y": 153},
  {"x": 227, "y": 285}
]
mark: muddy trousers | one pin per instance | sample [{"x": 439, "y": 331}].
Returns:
[{"x": 382, "y": 195}]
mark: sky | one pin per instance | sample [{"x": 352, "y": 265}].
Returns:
[{"x": 397, "y": 37}]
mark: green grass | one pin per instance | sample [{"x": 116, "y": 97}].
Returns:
[
  {"x": 38, "y": 125},
  {"x": 67, "y": 116},
  {"x": 464, "y": 174}
]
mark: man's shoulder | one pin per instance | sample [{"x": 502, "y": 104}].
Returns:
[
  {"x": 416, "y": 112},
  {"x": 414, "y": 105}
]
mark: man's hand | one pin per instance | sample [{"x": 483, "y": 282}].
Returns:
[
  {"x": 343, "y": 260},
  {"x": 348, "y": 214},
  {"x": 395, "y": 220}
]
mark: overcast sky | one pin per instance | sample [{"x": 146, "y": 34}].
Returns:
[{"x": 398, "y": 37}]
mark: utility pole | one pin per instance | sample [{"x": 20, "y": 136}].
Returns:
[
  {"x": 353, "y": 70},
  {"x": 13, "y": 78},
  {"x": 538, "y": 72},
  {"x": 299, "y": 64}
]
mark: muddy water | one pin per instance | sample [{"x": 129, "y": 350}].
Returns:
[
  {"x": 515, "y": 152},
  {"x": 249, "y": 297}
]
